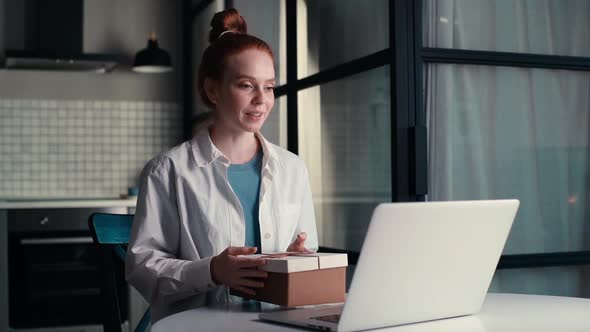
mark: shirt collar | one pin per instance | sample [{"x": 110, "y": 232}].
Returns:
[
  {"x": 269, "y": 155},
  {"x": 205, "y": 152}
]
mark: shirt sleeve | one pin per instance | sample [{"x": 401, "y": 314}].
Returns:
[
  {"x": 307, "y": 217},
  {"x": 151, "y": 265}
]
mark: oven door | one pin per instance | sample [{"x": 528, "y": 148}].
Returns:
[{"x": 55, "y": 278}]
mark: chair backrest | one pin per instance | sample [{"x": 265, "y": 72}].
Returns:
[
  {"x": 113, "y": 230},
  {"x": 109, "y": 228}
]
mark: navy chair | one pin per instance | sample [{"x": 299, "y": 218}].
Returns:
[{"x": 111, "y": 233}]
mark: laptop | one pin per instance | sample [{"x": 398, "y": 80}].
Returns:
[{"x": 419, "y": 262}]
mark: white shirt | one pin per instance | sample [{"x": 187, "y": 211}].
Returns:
[{"x": 187, "y": 213}]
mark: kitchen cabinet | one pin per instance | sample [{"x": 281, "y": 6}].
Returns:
[{"x": 48, "y": 261}]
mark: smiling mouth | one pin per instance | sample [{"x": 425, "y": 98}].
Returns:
[{"x": 255, "y": 114}]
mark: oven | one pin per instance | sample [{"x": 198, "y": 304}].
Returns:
[{"x": 53, "y": 270}]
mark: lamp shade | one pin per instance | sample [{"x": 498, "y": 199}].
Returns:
[{"x": 152, "y": 59}]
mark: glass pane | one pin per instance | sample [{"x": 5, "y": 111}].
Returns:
[
  {"x": 331, "y": 32},
  {"x": 503, "y": 132},
  {"x": 559, "y": 281},
  {"x": 524, "y": 26},
  {"x": 266, "y": 20},
  {"x": 345, "y": 139},
  {"x": 201, "y": 27},
  {"x": 275, "y": 127}
]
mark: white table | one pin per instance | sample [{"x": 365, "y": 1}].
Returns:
[{"x": 500, "y": 312}]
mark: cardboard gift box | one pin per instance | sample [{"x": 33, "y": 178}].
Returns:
[{"x": 296, "y": 279}]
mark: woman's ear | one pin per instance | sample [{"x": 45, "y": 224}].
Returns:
[{"x": 211, "y": 90}]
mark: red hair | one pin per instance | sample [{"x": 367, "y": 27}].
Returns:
[{"x": 222, "y": 45}]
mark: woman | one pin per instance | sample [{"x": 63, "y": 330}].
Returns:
[{"x": 227, "y": 192}]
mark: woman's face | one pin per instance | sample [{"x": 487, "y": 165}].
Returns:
[{"x": 244, "y": 97}]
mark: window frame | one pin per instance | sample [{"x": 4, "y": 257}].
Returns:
[
  {"x": 428, "y": 55},
  {"x": 406, "y": 57}
]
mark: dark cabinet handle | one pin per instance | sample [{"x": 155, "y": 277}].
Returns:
[
  {"x": 44, "y": 221},
  {"x": 57, "y": 240}
]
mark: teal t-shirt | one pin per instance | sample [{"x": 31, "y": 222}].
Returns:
[{"x": 245, "y": 181}]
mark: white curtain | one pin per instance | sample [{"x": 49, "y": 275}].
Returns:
[
  {"x": 527, "y": 26},
  {"x": 500, "y": 132}
]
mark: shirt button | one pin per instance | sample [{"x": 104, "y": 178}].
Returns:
[{"x": 267, "y": 236}]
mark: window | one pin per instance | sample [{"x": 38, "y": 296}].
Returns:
[
  {"x": 505, "y": 132},
  {"x": 500, "y": 131},
  {"x": 333, "y": 32},
  {"x": 343, "y": 126},
  {"x": 559, "y": 281},
  {"x": 275, "y": 127},
  {"x": 523, "y": 26},
  {"x": 344, "y": 138}
]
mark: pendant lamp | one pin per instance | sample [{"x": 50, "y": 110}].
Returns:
[{"x": 152, "y": 59}]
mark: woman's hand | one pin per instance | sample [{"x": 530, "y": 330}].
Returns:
[
  {"x": 239, "y": 273},
  {"x": 299, "y": 244}
]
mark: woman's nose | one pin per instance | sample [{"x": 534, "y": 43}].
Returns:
[{"x": 258, "y": 97}]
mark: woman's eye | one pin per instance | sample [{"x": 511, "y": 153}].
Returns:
[
  {"x": 245, "y": 86},
  {"x": 269, "y": 88}
]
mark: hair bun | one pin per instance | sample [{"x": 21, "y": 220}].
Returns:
[{"x": 227, "y": 20}]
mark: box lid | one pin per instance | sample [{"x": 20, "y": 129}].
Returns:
[
  {"x": 298, "y": 262},
  {"x": 328, "y": 260}
]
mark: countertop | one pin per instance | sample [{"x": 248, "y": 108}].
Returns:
[{"x": 43, "y": 203}]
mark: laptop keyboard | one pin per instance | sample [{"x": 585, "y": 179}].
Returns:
[{"x": 329, "y": 318}]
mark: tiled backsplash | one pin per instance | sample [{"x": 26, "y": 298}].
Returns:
[{"x": 80, "y": 148}]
